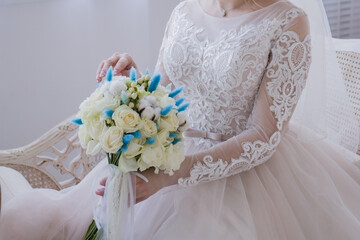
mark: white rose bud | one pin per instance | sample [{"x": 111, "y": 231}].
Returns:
[
  {"x": 149, "y": 128},
  {"x": 131, "y": 105},
  {"x": 111, "y": 140},
  {"x": 127, "y": 119},
  {"x": 133, "y": 84},
  {"x": 134, "y": 95},
  {"x": 131, "y": 89}
]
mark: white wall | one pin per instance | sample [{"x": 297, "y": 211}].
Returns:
[{"x": 50, "y": 49}]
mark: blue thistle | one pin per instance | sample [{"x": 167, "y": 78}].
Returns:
[
  {"x": 176, "y": 91},
  {"x": 154, "y": 83},
  {"x": 124, "y": 148},
  {"x": 108, "y": 113},
  {"x": 133, "y": 74},
  {"x": 137, "y": 134},
  {"x": 176, "y": 140},
  {"x": 173, "y": 134},
  {"x": 166, "y": 110},
  {"x": 124, "y": 97},
  {"x": 183, "y": 107},
  {"x": 127, "y": 138},
  {"x": 77, "y": 121},
  {"x": 109, "y": 74},
  {"x": 151, "y": 140},
  {"x": 179, "y": 101}
]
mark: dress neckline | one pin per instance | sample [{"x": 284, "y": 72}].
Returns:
[{"x": 237, "y": 17}]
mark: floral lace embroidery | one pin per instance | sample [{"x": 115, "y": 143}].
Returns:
[
  {"x": 253, "y": 155},
  {"x": 288, "y": 71},
  {"x": 220, "y": 102}
]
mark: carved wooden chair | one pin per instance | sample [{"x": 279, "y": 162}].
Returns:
[{"x": 57, "y": 161}]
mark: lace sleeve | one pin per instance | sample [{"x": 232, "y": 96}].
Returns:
[{"x": 280, "y": 90}]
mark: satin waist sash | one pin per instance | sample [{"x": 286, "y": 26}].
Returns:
[{"x": 209, "y": 135}]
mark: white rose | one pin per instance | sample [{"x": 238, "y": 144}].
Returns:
[
  {"x": 149, "y": 128},
  {"x": 127, "y": 164},
  {"x": 96, "y": 127},
  {"x": 84, "y": 137},
  {"x": 169, "y": 122},
  {"x": 116, "y": 87},
  {"x": 93, "y": 148},
  {"x": 107, "y": 102},
  {"x": 163, "y": 137},
  {"x": 174, "y": 157},
  {"x": 87, "y": 107},
  {"x": 153, "y": 155},
  {"x": 135, "y": 148},
  {"x": 127, "y": 118},
  {"x": 111, "y": 140},
  {"x": 160, "y": 92}
]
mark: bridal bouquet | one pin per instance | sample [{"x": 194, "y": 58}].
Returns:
[{"x": 139, "y": 125}]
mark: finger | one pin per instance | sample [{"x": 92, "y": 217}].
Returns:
[
  {"x": 124, "y": 63},
  {"x": 98, "y": 78},
  {"x": 110, "y": 62},
  {"x": 100, "y": 192},
  {"x": 103, "y": 181}
]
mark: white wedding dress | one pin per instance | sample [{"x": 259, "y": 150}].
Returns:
[{"x": 260, "y": 179}]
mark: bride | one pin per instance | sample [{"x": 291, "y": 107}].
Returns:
[{"x": 249, "y": 172}]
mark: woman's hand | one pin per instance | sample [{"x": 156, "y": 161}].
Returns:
[
  {"x": 146, "y": 189},
  {"x": 121, "y": 64}
]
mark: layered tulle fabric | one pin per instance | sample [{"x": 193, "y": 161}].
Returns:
[{"x": 305, "y": 191}]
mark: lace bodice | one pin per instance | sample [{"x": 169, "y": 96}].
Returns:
[{"x": 226, "y": 65}]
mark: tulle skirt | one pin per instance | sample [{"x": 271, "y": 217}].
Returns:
[{"x": 307, "y": 190}]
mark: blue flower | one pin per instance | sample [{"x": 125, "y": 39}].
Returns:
[
  {"x": 124, "y": 97},
  {"x": 183, "y": 107},
  {"x": 124, "y": 148},
  {"x": 133, "y": 74},
  {"x": 173, "y": 134},
  {"x": 154, "y": 83},
  {"x": 108, "y": 112},
  {"x": 77, "y": 121},
  {"x": 151, "y": 140},
  {"x": 179, "y": 101},
  {"x": 109, "y": 74},
  {"x": 127, "y": 138},
  {"x": 166, "y": 110},
  {"x": 137, "y": 134},
  {"x": 176, "y": 91},
  {"x": 176, "y": 140}
]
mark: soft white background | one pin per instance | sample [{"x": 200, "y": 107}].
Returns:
[{"x": 50, "y": 50}]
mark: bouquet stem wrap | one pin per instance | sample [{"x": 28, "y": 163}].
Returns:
[{"x": 114, "y": 215}]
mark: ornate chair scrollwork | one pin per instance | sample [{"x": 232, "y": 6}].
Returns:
[{"x": 55, "y": 160}]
